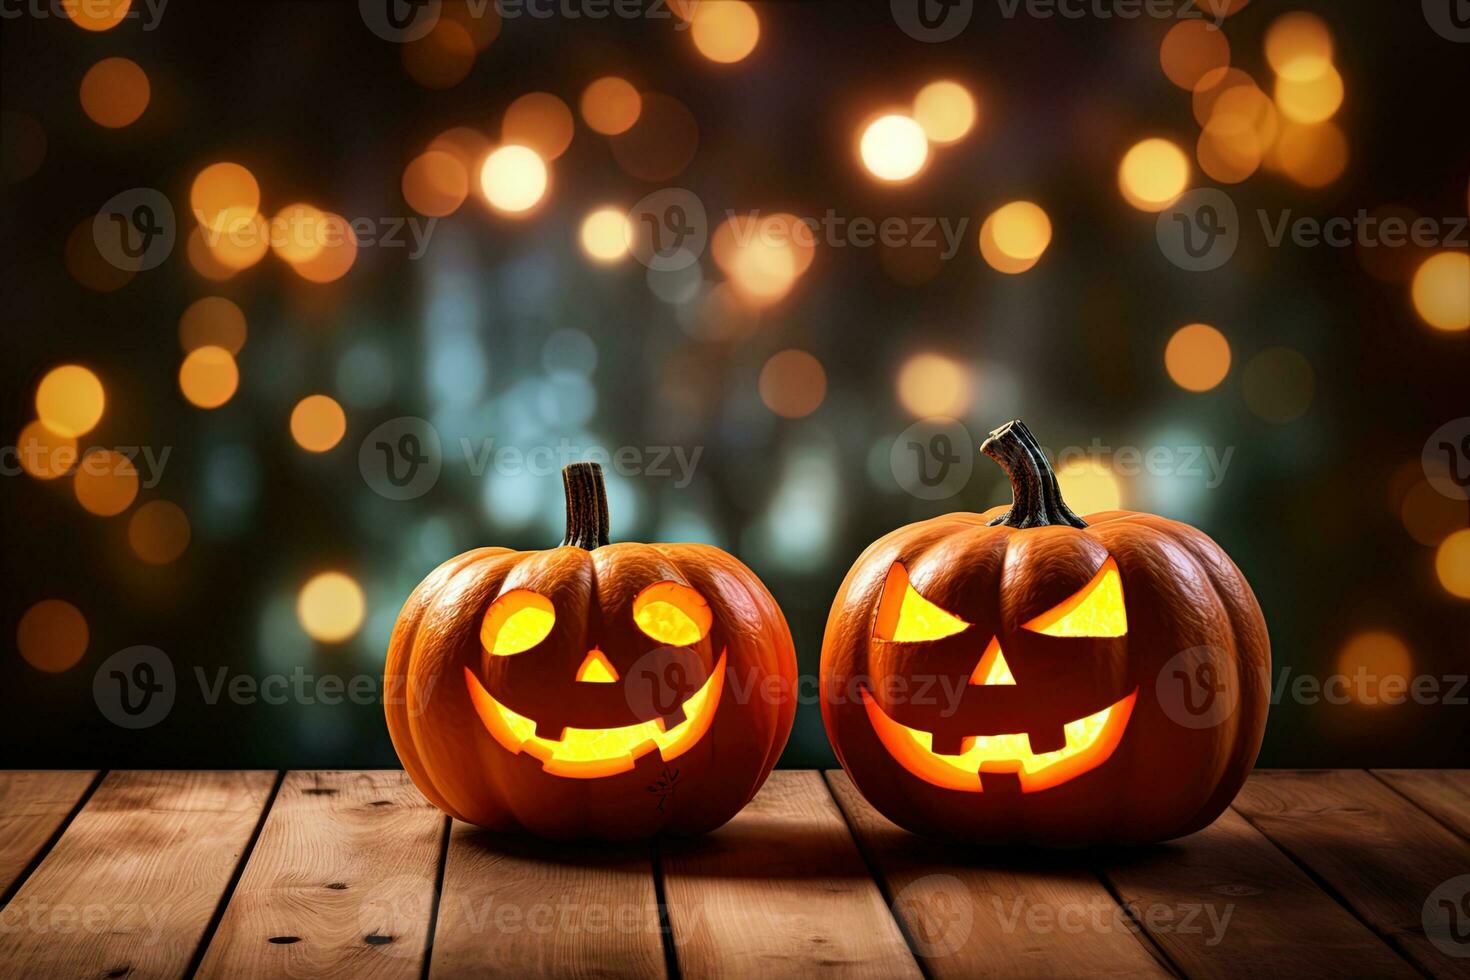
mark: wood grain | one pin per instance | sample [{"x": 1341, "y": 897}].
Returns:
[
  {"x": 33, "y": 806},
  {"x": 996, "y": 913},
  {"x": 132, "y": 884},
  {"x": 340, "y": 882},
  {"x": 780, "y": 891},
  {"x": 519, "y": 907},
  {"x": 1442, "y": 793},
  {"x": 1226, "y": 902},
  {"x": 1378, "y": 852}
]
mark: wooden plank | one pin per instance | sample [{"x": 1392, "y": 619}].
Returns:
[
  {"x": 135, "y": 880},
  {"x": 519, "y": 907},
  {"x": 1383, "y": 856},
  {"x": 780, "y": 891},
  {"x": 1226, "y": 902},
  {"x": 33, "y": 806},
  {"x": 340, "y": 882},
  {"x": 996, "y": 913},
  {"x": 1442, "y": 793}
]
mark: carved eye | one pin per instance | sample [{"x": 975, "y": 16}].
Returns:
[
  {"x": 516, "y": 622},
  {"x": 673, "y": 614},
  {"x": 1096, "y": 610},
  {"x": 904, "y": 616}
]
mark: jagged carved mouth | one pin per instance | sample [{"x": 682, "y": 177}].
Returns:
[
  {"x": 589, "y": 753},
  {"x": 1005, "y": 758}
]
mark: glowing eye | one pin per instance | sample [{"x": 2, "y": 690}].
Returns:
[
  {"x": 904, "y": 616},
  {"x": 516, "y": 622},
  {"x": 1096, "y": 610},
  {"x": 672, "y": 613}
]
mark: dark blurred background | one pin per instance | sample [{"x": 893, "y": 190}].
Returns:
[{"x": 791, "y": 368}]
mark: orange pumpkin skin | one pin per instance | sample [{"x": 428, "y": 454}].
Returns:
[
  {"x": 1188, "y": 608},
  {"x": 436, "y": 658}
]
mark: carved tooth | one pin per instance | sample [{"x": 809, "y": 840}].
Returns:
[
  {"x": 549, "y": 732},
  {"x": 946, "y": 743},
  {"x": 675, "y": 717},
  {"x": 1047, "y": 739}
]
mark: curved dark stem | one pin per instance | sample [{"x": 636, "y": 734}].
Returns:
[
  {"x": 586, "y": 506},
  {"x": 1036, "y": 497}
]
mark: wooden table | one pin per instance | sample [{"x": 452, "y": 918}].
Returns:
[{"x": 353, "y": 874}]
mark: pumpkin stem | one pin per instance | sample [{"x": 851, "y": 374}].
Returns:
[
  {"x": 1036, "y": 497},
  {"x": 586, "y": 506}
]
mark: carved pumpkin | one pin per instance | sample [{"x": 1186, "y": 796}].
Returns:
[
  {"x": 1024, "y": 675},
  {"x": 594, "y": 690}
]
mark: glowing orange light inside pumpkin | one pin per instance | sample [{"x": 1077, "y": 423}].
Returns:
[
  {"x": 516, "y": 622},
  {"x": 911, "y": 618},
  {"x": 1097, "y": 610},
  {"x": 672, "y": 613},
  {"x": 597, "y": 669}
]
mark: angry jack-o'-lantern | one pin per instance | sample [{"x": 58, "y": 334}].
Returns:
[
  {"x": 1025, "y": 675},
  {"x": 593, "y": 690}
]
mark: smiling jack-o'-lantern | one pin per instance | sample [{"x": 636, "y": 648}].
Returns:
[
  {"x": 1025, "y": 675},
  {"x": 593, "y": 690}
]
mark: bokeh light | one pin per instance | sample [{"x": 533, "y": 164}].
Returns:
[
  {"x": 88, "y": 266},
  {"x": 202, "y": 259},
  {"x": 932, "y": 384},
  {"x": 318, "y": 423},
  {"x": 43, "y": 453},
  {"x": 610, "y": 105},
  {"x": 212, "y": 321},
  {"x": 298, "y": 233},
  {"x": 1452, "y": 563},
  {"x": 1278, "y": 384},
  {"x": 1014, "y": 236},
  {"x": 1243, "y": 124},
  {"x": 946, "y": 110},
  {"x": 1313, "y": 156},
  {"x": 224, "y": 196},
  {"x": 115, "y": 92},
  {"x": 106, "y": 482},
  {"x": 793, "y": 384},
  {"x": 1441, "y": 291},
  {"x": 330, "y": 607},
  {"x": 513, "y": 179},
  {"x": 1153, "y": 174},
  {"x": 1191, "y": 49},
  {"x": 1197, "y": 357},
  {"x": 540, "y": 121},
  {"x": 208, "y": 377},
  {"x": 96, "y": 15},
  {"x": 725, "y": 32},
  {"x": 1310, "y": 100},
  {"x": 661, "y": 143},
  {"x": 70, "y": 400},
  {"x": 435, "y": 183},
  {"x": 894, "y": 147},
  {"x": 52, "y": 635},
  {"x": 158, "y": 532},
  {"x": 1089, "y": 486},
  {"x": 604, "y": 235},
  {"x": 339, "y": 252},
  {"x": 1375, "y": 663},
  {"x": 1299, "y": 45},
  {"x": 443, "y": 57},
  {"x": 1428, "y": 515},
  {"x": 241, "y": 245}
]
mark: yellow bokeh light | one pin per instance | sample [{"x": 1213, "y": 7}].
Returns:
[
  {"x": 115, "y": 92},
  {"x": 202, "y": 259},
  {"x": 70, "y": 400},
  {"x": 1310, "y": 100},
  {"x": 1089, "y": 486},
  {"x": 894, "y": 147},
  {"x": 330, "y": 607},
  {"x": 1190, "y": 50},
  {"x": 435, "y": 183},
  {"x": 1197, "y": 357},
  {"x": 318, "y": 423},
  {"x": 158, "y": 532},
  {"x": 212, "y": 321},
  {"x": 45, "y": 454},
  {"x": 946, "y": 111},
  {"x": 611, "y": 105},
  {"x": 1014, "y": 236},
  {"x": 241, "y": 245},
  {"x": 932, "y": 384},
  {"x": 1452, "y": 563},
  {"x": 106, "y": 482},
  {"x": 1313, "y": 156},
  {"x": 541, "y": 121},
  {"x": 225, "y": 197},
  {"x": 298, "y": 233},
  {"x": 513, "y": 179},
  {"x": 1377, "y": 666},
  {"x": 604, "y": 235},
  {"x": 793, "y": 384},
  {"x": 1298, "y": 45},
  {"x": 1242, "y": 125},
  {"x": 725, "y": 32},
  {"x": 96, "y": 15},
  {"x": 52, "y": 635},
  {"x": 338, "y": 254},
  {"x": 1441, "y": 291},
  {"x": 1153, "y": 174},
  {"x": 208, "y": 377}
]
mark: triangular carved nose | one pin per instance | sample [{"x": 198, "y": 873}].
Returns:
[
  {"x": 992, "y": 668},
  {"x": 597, "y": 669}
]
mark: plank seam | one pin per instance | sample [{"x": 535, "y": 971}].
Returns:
[
  {"x": 437, "y": 895},
  {"x": 665, "y": 921},
  {"x": 1145, "y": 939},
  {"x": 50, "y": 842},
  {"x": 879, "y": 880},
  {"x": 228, "y": 894},
  {"x": 1417, "y": 805}
]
